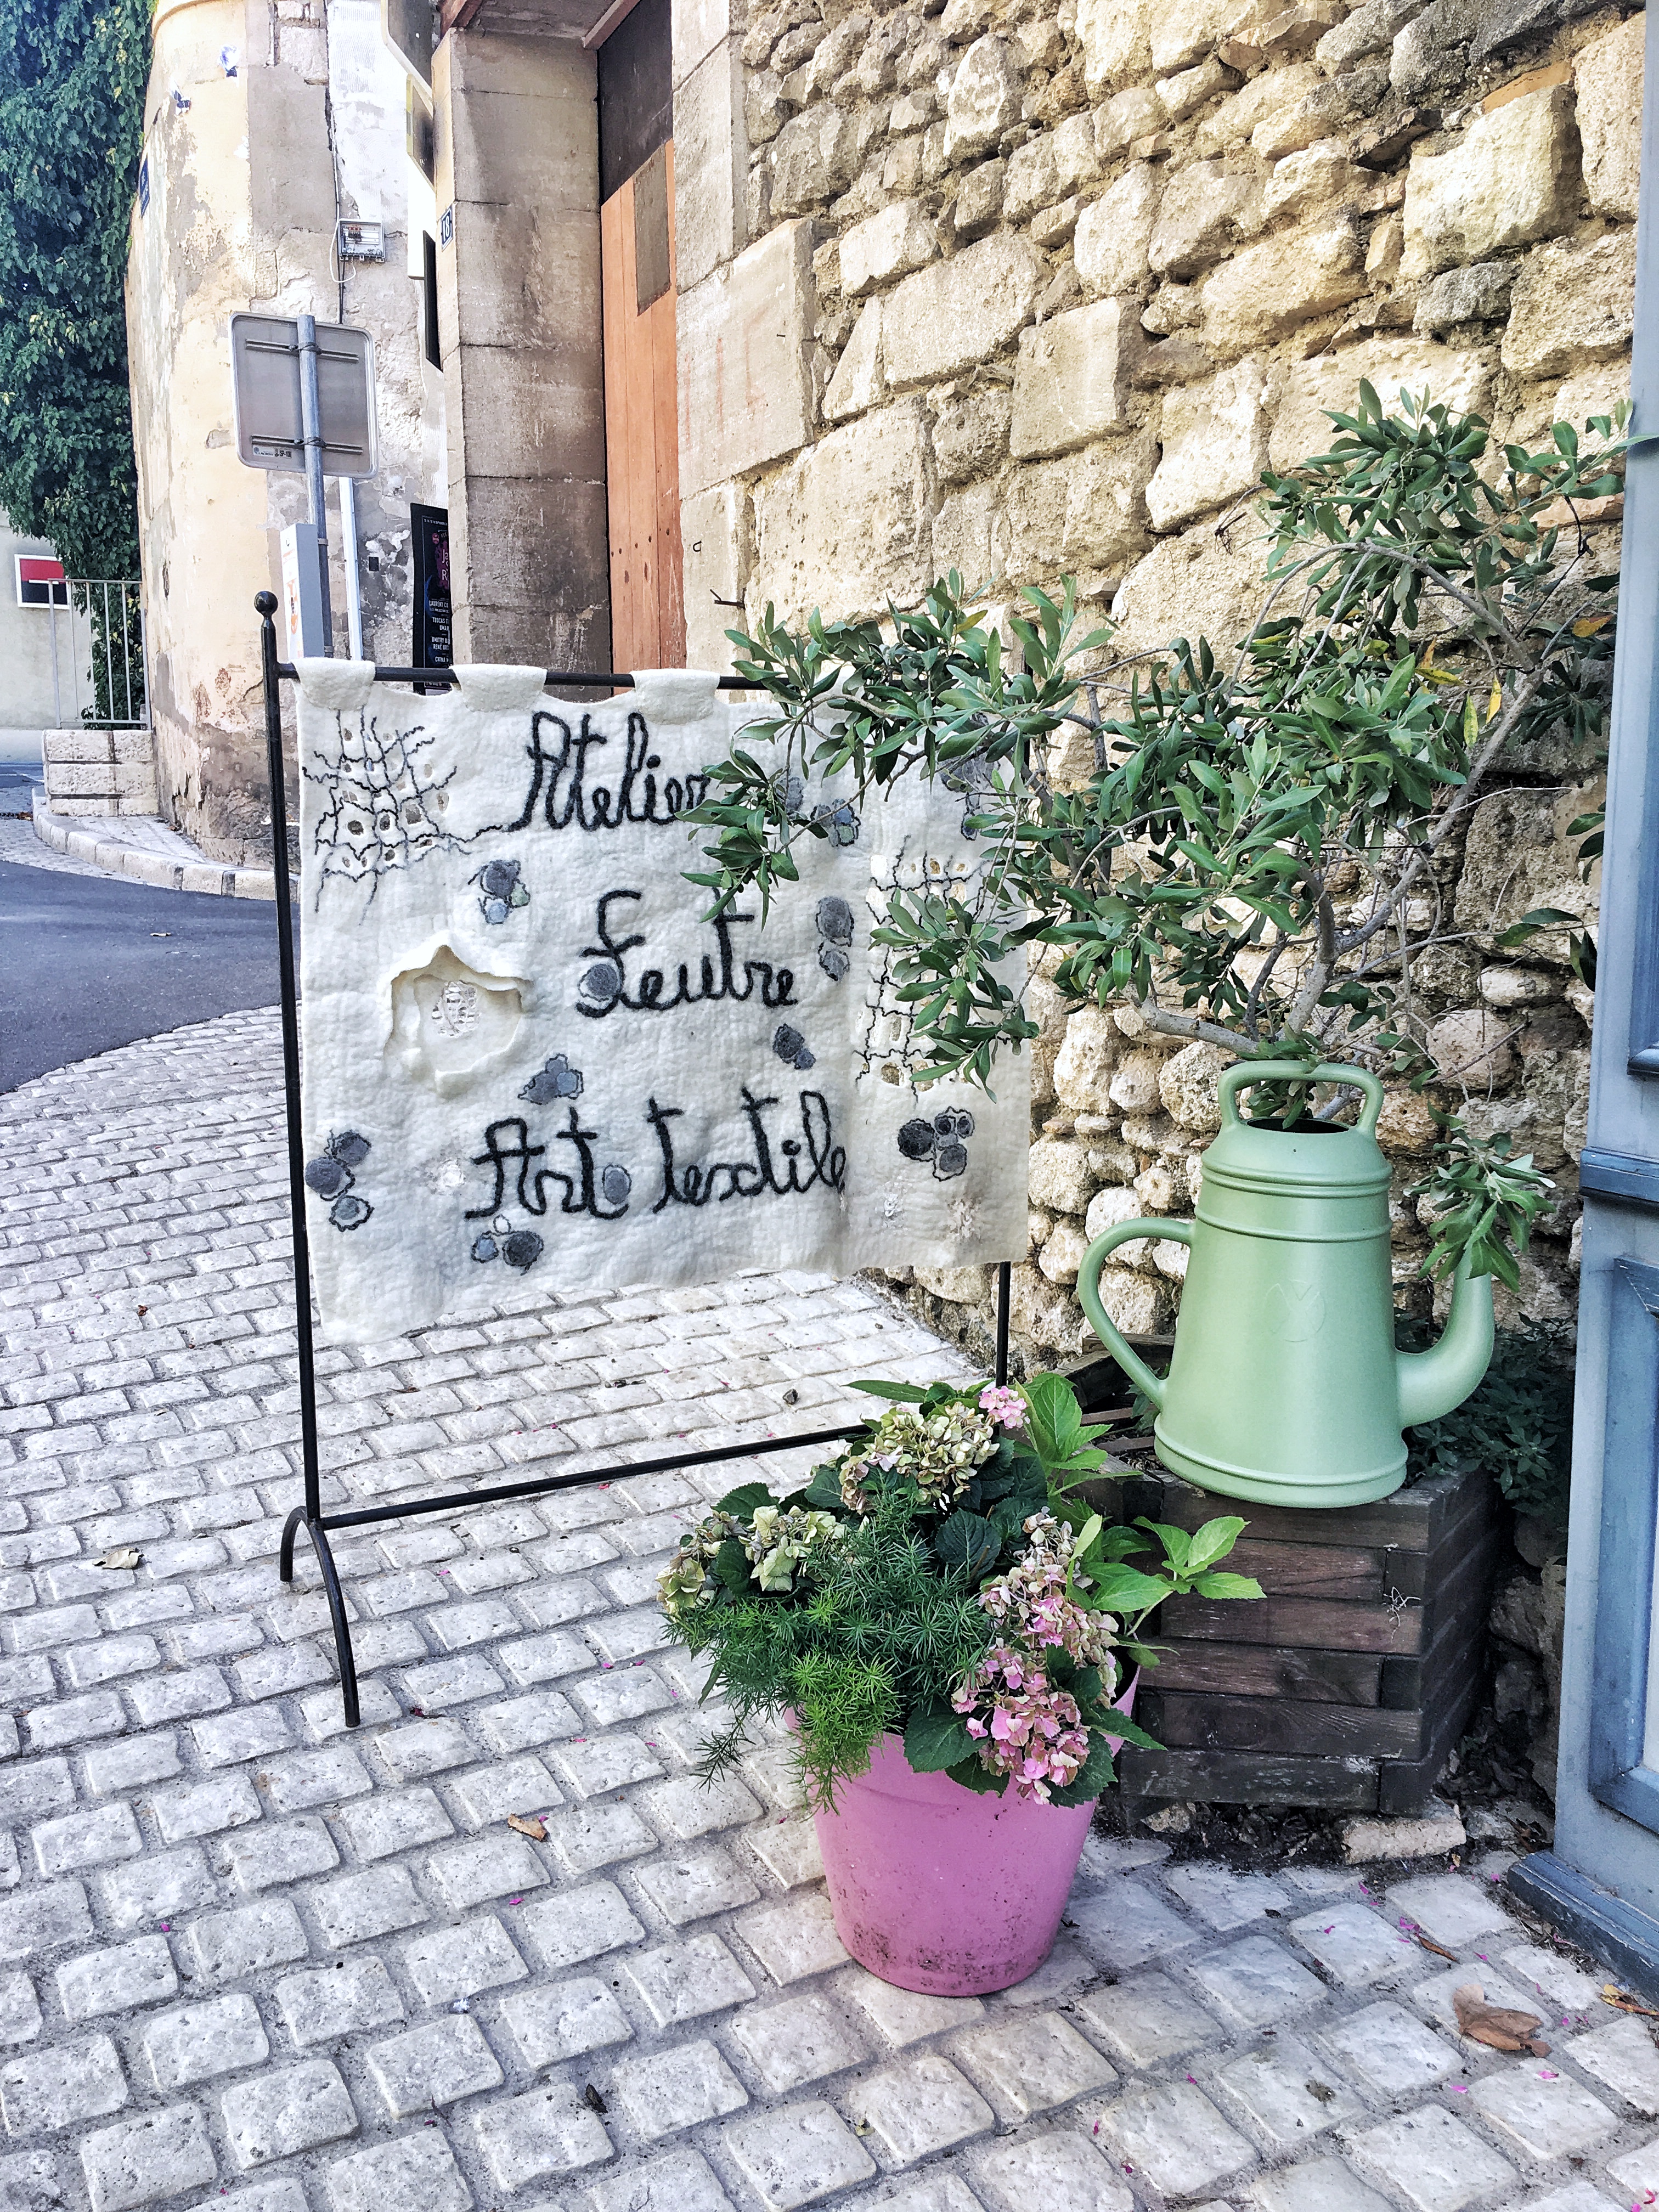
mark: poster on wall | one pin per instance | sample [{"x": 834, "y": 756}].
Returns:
[
  {"x": 434, "y": 628},
  {"x": 533, "y": 1059}
]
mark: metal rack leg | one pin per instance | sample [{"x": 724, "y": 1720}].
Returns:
[
  {"x": 309, "y": 1513},
  {"x": 335, "y": 1597}
]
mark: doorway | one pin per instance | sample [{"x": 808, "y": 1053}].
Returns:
[{"x": 638, "y": 295}]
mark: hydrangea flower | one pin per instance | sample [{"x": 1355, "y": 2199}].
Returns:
[
  {"x": 937, "y": 1447},
  {"x": 1024, "y": 1726},
  {"x": 1004, "y": 1406},
  {"x": 1032, "y": 1605},
  {"x": 777, "y": 1541},
  {"x": 774, "y": 1542}
]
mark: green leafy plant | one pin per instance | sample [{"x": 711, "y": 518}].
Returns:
[
  {"x": 72, "y": 80},
  {"x": 1249, "y": 844},
  {"x": 942, "y": 1580},
  {"x": 1483, "y": 1203},
  {"x": 1516, "y": 1425}
]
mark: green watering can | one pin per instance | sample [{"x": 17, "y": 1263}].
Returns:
[{"x": 1285, "y": 1387}]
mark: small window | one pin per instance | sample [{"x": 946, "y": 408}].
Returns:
[
  {"x": 429, "y": 317},
  {"x": 40, "y": 582}
]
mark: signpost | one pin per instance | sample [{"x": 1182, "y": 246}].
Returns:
[
  {"x": 304, "y": 399},
  {"x": 302, "y": 612}
]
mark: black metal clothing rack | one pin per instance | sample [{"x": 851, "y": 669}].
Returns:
[{"x": 309, "y": 1514}]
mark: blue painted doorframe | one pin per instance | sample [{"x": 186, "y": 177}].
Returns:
[{"x": 1602, "y": 1881}]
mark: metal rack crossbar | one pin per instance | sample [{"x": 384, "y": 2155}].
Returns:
[{"x": 309, "y": 1514}]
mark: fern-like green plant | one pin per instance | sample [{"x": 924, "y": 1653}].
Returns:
[{"x": 1516, "y": 1425}]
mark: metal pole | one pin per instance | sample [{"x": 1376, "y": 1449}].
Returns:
[
  {"x": 1005, "y": 1293},
  {"x": 354, "y": 580},
  {"x": 265, "y": 605},
  {"x": 311, "y": 430},
  {"x": 126, "y": 654},
  {"x": 56, "y": 688},
  {"x": 144, "y": 657},
  {"x": 310, "y": 1512},
  {"x": 109, "y": 651}
]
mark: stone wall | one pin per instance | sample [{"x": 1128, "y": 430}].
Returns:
[{"x": 1025, "y": 290}]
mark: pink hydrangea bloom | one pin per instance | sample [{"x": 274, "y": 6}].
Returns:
[
  {"x": 1034, "y": 1732},
  {"x": 1005, "y": 1407}
]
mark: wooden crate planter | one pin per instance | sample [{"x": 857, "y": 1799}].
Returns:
[{"x": 1348, "y": 1683}]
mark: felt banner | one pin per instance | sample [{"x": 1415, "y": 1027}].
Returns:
[{"x": 531, "y": 1058}]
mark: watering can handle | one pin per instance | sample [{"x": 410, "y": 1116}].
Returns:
[
  {"x": 1246, "y": 1072},
  {"x": 1088, "y": 1291}
]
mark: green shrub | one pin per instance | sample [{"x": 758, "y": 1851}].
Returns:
[
  {"x": 941, "y": 1580},
  {"x": 1517, "y": 1425},
  {"x": 72, "y": 80}
]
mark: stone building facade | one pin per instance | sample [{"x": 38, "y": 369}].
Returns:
[
  {"x": 1025, "y": 290},
  {"x": 266, "y": 130}
]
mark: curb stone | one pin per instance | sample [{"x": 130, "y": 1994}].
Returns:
[{"x": 150, "y": 852}]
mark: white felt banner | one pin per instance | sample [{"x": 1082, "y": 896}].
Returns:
[{"x": 528, "y": 1058}]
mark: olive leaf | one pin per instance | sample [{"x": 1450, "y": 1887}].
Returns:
[{"x": 1482, "y": 1202}]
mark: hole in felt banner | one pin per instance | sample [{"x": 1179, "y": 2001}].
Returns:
[{"x": 448, "y": 1018}]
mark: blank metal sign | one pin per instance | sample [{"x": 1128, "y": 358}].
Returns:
[{"x": 264, "y": 356}]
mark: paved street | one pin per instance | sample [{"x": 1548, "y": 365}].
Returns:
[
  {"x": 250, "y": 1961},
  {"x": 90, "y": 961}
]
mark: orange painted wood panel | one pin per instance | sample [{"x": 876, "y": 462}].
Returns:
[{"x": 648, "y": 614}]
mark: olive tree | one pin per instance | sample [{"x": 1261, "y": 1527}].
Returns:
[{"x": 1258, "y": 855}]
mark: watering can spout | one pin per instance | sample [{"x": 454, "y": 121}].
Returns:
[{"x": 1432, "y": 1383}]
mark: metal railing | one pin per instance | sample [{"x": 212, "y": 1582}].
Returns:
[{"x": 99, "y": 665}]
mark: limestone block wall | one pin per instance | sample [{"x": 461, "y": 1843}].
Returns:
[
  {"x": 1028, "y": 289},
  {"x": 516, "y": 126},
  {"x": 98, "y": 772}
]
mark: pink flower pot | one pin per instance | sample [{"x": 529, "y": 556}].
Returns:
[{"x": 943, "y": 1889}]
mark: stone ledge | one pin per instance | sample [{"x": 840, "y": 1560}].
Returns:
[{"x": 144, "y": 848}]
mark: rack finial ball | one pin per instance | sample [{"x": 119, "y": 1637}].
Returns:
[{"x": 265, "y": 602}]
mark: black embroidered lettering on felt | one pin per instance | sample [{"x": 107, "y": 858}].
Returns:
[
  {"x": 691, "y": 1183},
  {"x": 605, "y": 986},
  {"x": 560, "y": 785},
  {"x": 582, "y": 1190}
]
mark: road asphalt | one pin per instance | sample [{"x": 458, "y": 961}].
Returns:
[{"x": 91, "y": 962}]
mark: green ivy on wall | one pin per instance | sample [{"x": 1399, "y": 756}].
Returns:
[{"x": 72, "y": 80}]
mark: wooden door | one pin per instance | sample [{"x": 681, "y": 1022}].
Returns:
[{"x": 641, "y": 421}]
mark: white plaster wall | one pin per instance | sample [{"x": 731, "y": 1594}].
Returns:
[
  {"x": 203, "y": 518},
  {"x": 26, "y": 693}
]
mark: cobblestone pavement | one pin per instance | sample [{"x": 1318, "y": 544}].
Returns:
[
  {"x": 250, "y": 1960},
  {"x": 19, "y": 844}
]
